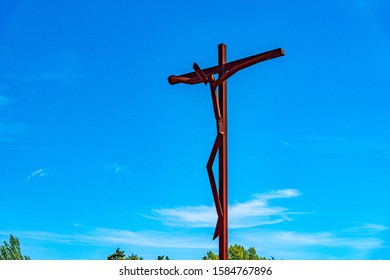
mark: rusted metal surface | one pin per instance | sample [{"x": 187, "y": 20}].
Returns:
[
  {"x": 224, "y": 71},
  {"x": 192, "y": 78},
  {"x": 223, "y": 172}
]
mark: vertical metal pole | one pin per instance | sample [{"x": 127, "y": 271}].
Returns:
[{"x": 223, "y": 178}]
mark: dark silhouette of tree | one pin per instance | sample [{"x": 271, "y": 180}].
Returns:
[{"x": 163, "y": 258}]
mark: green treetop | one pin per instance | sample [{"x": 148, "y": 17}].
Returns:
[
  {"x": 236, "y": 252},
  {"x": 11, "y": 250}
]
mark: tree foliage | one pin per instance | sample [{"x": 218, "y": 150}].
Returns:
[
  {"x": 210, "y": 255},
  {"x": 163, "y": 258},
  {"x": 11, "y": 250},
  {"x": 120, "y": 255},
  {"x": 236, "y": 252}
]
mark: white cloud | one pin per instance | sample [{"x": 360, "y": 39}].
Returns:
[
  {"x": 38, "y": 173},
  {"x": 254, "y": 212}
]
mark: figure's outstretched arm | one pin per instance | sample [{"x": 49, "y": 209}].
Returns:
[{"x": 206, "y": 79}]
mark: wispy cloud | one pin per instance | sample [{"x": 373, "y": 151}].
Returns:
[
  {"x": 369, "y": 3},
  {"x": 4, "y": 100},
  {"x": 118, "y": 237},
  {"x": 118, "y": 168},
  {"x": 367, "y": 229},
  {"x": 350, "y": 243},
  {"x": 254, "y": 212},
  {"x": 59, "y": 66},
  {"x": 38, "y": 173},
  {"x": 155, "y": 239},
  {"x": 278, "y": 243},
  {"x": 335, "y": 144},
  {"x": 326, "y": 239},
  {"x": 281, "y": 142},
  {"x": 310, "y": 245},
  {"x": 10, "y": 131}
]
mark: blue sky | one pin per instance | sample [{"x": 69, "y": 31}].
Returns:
[{"x": 98, "y": 151}]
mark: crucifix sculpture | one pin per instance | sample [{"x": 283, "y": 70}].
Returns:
[{"x": 224, "y": 71}]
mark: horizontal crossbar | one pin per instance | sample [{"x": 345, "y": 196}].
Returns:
[{"x": 193, "y": 77}]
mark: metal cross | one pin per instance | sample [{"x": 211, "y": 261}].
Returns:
[{"x": 224, "y": 71}]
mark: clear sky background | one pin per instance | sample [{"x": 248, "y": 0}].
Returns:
[{"x": 98, "y": 151}]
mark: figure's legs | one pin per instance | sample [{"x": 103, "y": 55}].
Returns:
[{"x": 214, "y": 190}]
